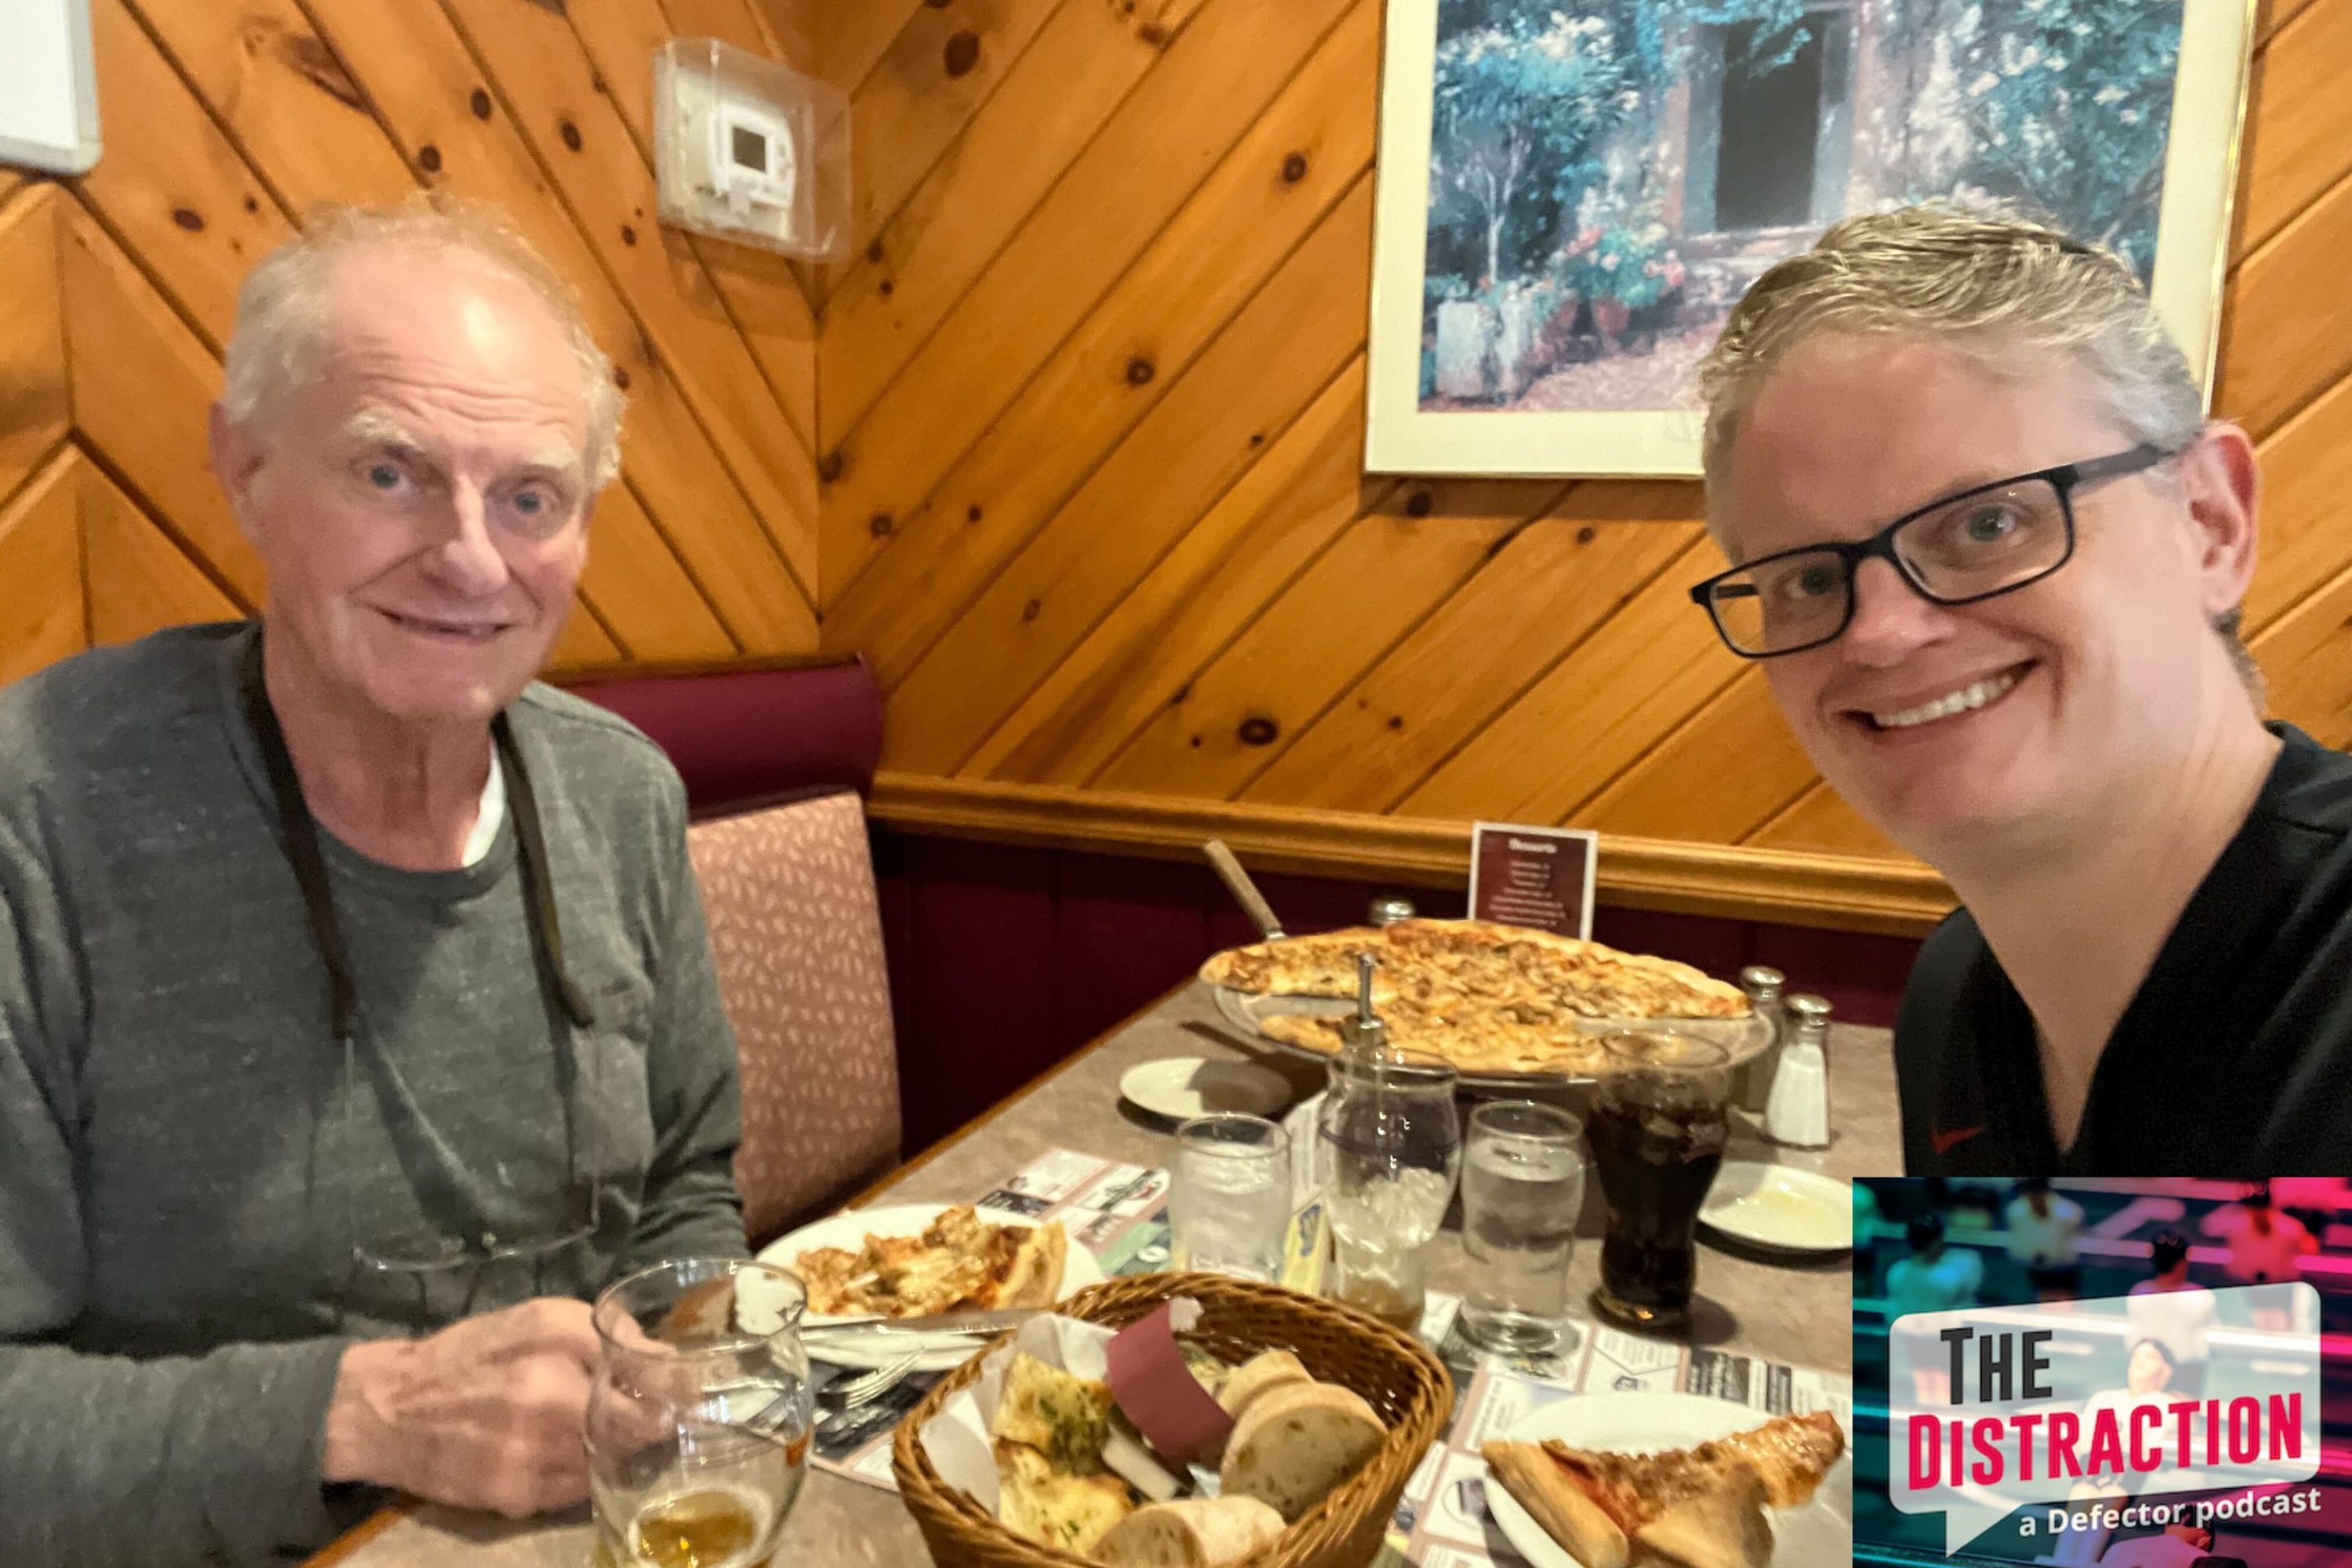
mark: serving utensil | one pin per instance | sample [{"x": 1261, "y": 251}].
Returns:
[{"x": 1245, "y": 891}]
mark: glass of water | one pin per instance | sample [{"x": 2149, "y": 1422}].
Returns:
[
  {"x": 1231, "y": 1202},
  {"x": 1522, "y": 1188}
]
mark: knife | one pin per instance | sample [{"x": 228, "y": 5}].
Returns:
[{"x": 937, "y": 1323}]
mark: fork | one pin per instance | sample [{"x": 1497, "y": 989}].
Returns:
[{"x": 873, "y": 1385}]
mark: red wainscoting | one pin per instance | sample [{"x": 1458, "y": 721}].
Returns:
[{"x": 1003, "y": 960}]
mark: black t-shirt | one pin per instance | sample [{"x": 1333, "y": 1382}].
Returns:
[{"x": 2234, "y": 1059}]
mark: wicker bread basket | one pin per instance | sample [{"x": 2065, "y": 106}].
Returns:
[{"x": 1393, "y": 1371}]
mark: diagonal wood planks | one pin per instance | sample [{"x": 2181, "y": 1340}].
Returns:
[{"x": 1112, "y": 372}]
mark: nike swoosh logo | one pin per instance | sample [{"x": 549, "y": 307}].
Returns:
[{"x": 1945, "y": 1142}]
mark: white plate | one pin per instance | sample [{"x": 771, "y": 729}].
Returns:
[
  {"x": 1781, "y": 1206},
  {"x": 1821, "y": 1532},
  {"x": 871, "y": 1350},
  {"x": 1179, "y": 1087}
]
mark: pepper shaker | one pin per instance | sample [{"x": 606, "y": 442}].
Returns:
[
  {"x": 1390, "y": 909},
  {"x": 1797, "y": 1113},
  {"x": 1752, "y": 1080}
]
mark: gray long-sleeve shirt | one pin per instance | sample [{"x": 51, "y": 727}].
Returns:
[{"x": 185, "y": 1168}]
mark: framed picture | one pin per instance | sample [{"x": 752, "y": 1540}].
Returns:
[{"x": 1574, "y": 193}]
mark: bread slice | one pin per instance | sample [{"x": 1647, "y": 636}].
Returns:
[
  {"x": 1297, "y": 1442},
  {"x": 1556, "y": 1499},
  {"x": 1045, "y": 1505},
  {"x": 1266, "y": 1369},
  {"x": 1193, "y": 1533},
  {"x": 1722, "y": 1527},
  {"x": 1065, "y": 1418}
]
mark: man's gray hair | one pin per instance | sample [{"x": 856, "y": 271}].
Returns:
[
  {"x": 2012, "y": 292},
  {"x": 282, "y": 309}
]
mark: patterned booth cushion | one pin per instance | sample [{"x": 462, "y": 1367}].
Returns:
[{"x": 797, "y": 935}]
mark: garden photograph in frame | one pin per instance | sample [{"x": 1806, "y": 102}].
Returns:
[{"x": 1573, "y": 194}]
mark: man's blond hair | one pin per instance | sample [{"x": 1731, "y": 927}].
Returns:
[
  {"x": 283, "y": 306},
  {"x": 2009, "y": 289}
]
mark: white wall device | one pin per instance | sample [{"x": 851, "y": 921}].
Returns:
[
  {"x": 750, "y": 150},
  {"x": 49, "y": 91}
]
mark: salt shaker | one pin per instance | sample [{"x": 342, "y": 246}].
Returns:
[
  {"x": 1390, "y": 909},
  {"x": 1752, "y": 1081},
  {"x": 1796, "y": 1111}
]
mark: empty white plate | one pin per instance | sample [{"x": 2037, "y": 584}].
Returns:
[
  {"x": 1781, "y": 1206},
  {"x": 1179, "y": 1087}
]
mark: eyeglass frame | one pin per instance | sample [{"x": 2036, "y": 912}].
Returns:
[{"x": 2064, "y": 479}]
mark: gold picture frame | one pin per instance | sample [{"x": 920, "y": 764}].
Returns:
[{"x": 1413, "y": 428}]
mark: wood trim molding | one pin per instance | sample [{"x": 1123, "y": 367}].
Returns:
[{"x": 1848, "y": 892}]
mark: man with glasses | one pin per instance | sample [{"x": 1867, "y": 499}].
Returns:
[
  {"x": 1990, "y": 554},
  {"x": 357, "y": 1016}
]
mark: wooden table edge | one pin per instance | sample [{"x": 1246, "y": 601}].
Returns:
[
  {"x": 344, "y": 1546},
  {"x": 348, "y": 1543}
]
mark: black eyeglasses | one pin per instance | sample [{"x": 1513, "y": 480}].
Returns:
[{"x": 1979, "y": 544}]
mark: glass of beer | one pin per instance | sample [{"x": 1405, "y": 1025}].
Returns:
[
  {"x": 700, "y": 1419},
  {"x": 1657, "y": 1124}
]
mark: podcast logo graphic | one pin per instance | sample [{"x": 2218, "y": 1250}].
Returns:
[{"x": 2090, "y": 1413}]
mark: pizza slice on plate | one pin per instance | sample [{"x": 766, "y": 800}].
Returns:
[
  {"x": 1321, "y": 965},
  {"x": 1701, "y": 1507}
]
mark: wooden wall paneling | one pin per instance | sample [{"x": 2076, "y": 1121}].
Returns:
[
  {"x": 538, "y": 65},
  {"x": 1279, "y": 517},
  {"x": 41, "y": 618},
  {"x": 1647, "y": 668},
  {"x": 435, "y": 100},
  {"x": 36, "y": 406},
  {"x": 914, "y": 102},
  {"x": 850, "y": 38},
  {"x": 143, "y": 384},
  {"x": 2289, "y": 329},
  {"x": 2302, "y": 654},
  {"x": 1163, "y": 477},
  {"x": 1323, "y": 631},
  {"x": 1055, "y": 100},
  {"x": 1722, "y": 773},
  {"x": 284, "y": 98},
  {"x": 1821, "y": 819},
  {"x": 1222, "y": 244},
  {"x": 754, "y": 288},
  {"x": 2275, "y": 14},
  {"x": 639, "y": 588},
  {"x": 2306, "y": 471},
  {"x": 1844, "y": 890},
  {"x": 1526, "y": 608},
  {"x": 139, "y": 579},
  {"x": 584, "y": 643},
  {"x": 171, "y": 185},
  {"x": 2299, "y": 126}
]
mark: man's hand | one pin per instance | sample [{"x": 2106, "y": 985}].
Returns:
[{"x": 487, "y": 1414}]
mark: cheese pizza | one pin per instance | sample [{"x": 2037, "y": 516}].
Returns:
[
  {"x": 961, "y": 1263},
  {"x": 1701, "y": 1507},
  {"x": 1485, "y": 996}
]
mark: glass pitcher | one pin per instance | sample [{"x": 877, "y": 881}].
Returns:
[
  {"x": 700, "y": 1419},
  {"x": 1392, "y": 1137}
]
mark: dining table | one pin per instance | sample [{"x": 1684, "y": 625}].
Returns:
[{"x": 1772, "y": 1307}]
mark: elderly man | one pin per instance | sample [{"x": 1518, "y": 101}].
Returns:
[
  {"x": 357, "y": 1018},
  {"x": 1991, "y": 554}
]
